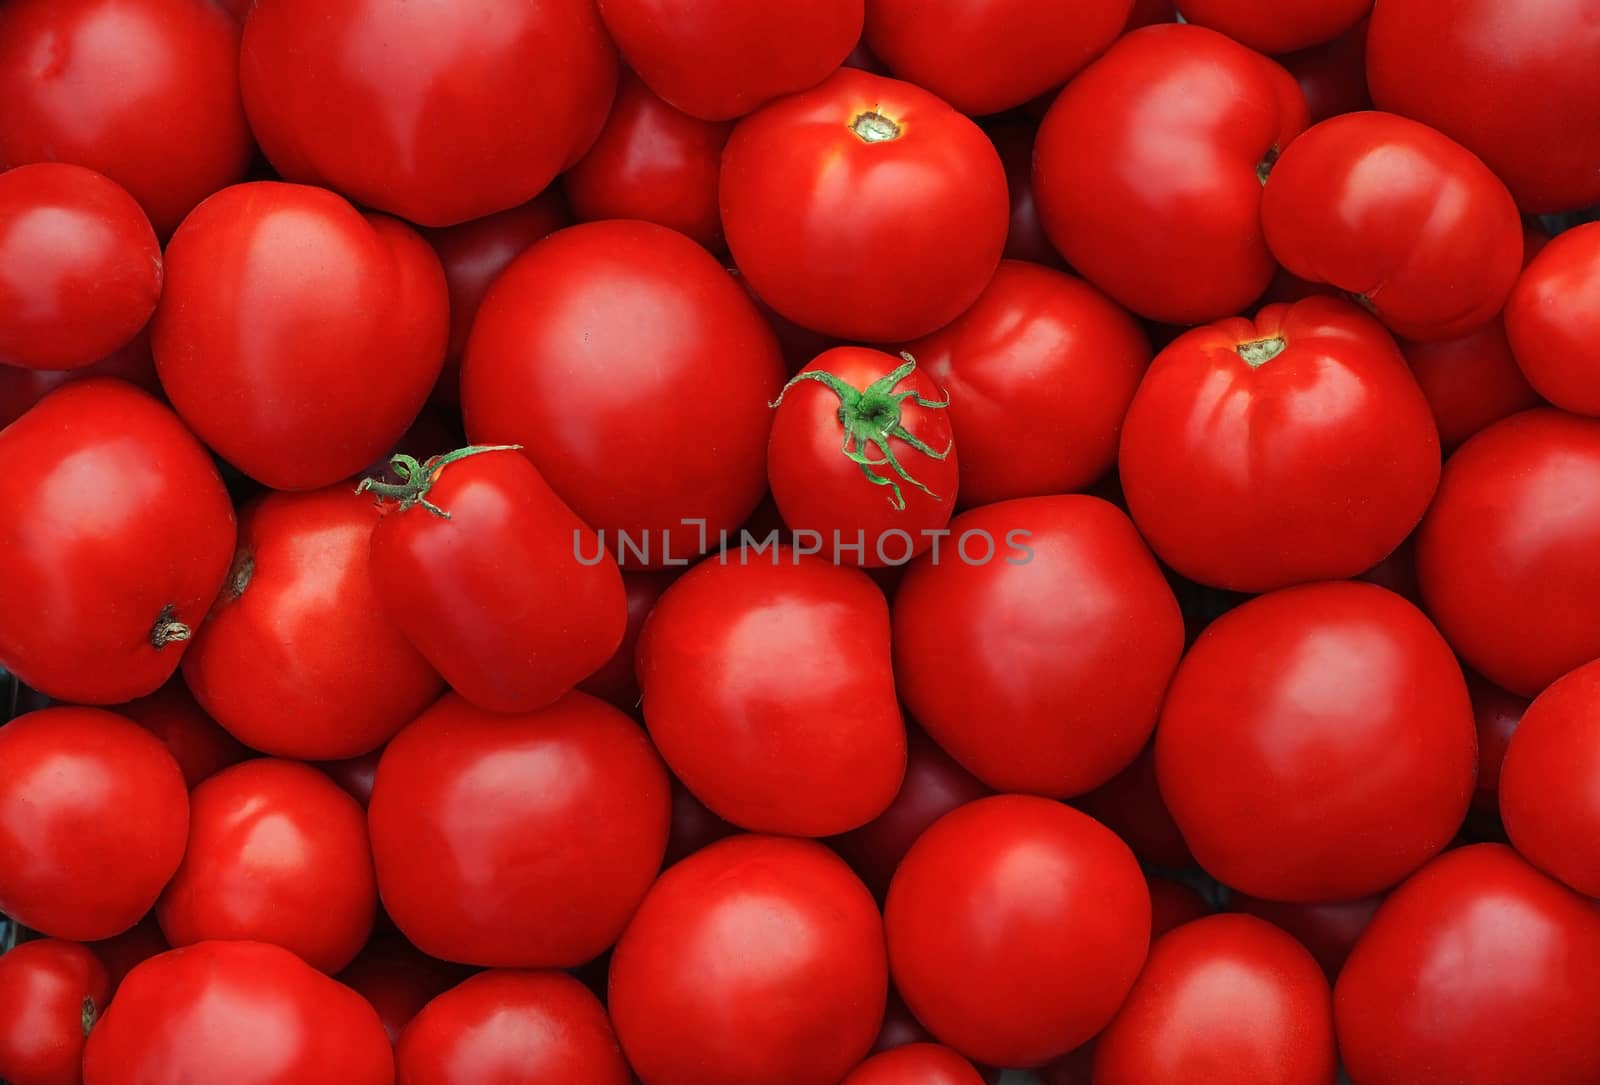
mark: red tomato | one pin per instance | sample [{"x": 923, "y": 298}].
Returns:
[
  {"x": 997, "y": 914},
  {"x": 1172, "y": 904},
  {"x": 143, "y": 91},
  {"x": 355, "y": 774},
  {"x": 616, "y": 681},
  {"x": 1072, "y": 697},
  {"x": 201, "y": 747},
  {"x": 1329, "y": 931},
  {"x": 1477, "y": 971},
  {"x": 1506, "y": 554},
  {"x": 1013, "y": 136},
  {"x": 1497, "y": 714},
  {"x": 1277, "y": 28},
  {"x": 116, "y": 537},
  {"x": 1294, "y": 447},
  {"x": 795, "y": 945},
  {"x": 240, "y": 1012},
  {"x": 1317, "y": 743},
  {"x": 1179, "y": 118},
  {"x": 517, "y": 841},
  {"x": 1405, "y": 218},
  {"x": 93, "y": 815},
  {"x": 1227, "y": 1000},
  {"x": 1130, "y": 805},
  {"x": 1513, "y": 80},
  {"x": 768, "y": 690},
  {"x": 1471, "y": 381},
  {"x": 1333, "y": 75},
  {"x": 995, "y": 54},
  {"x": 693, "y": 826},
  {"x": 1551, "y": 320},
  {"x": 436, "y": 113},
  {"x": 1039, "y": 373},
  {"x": 50, "y": 995},
  {"x": 121, "y": 953},
  {"x": 721, "y": 59},
  {"x": 862, "y": 456},
  {"x": 22, "y": 388},
  {"x": 673, "y": 352},
  {"x": 900, "y": 199},
  {"x": 398, "y": 981},
  {"x": 915, "y": 1064}
]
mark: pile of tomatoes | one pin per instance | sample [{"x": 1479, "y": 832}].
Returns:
[{"x": 799, "y": 542}]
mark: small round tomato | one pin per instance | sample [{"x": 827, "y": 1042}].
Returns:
[
  {"x": 795, "y": 945},
  {"x": 1172, "y": 904},
  {"x": 1333, "y": 75},
  {"x": 201, "y": 747},
  {"x": 1328, "y": 930},
  {"x": 51, "y": 992},
  {"x": 1013, "y": 136},
  {"x": 1294, "y": 447},
  {"x": 898, "y": 196},
  {"x": 997, "y": 914},
  {"x": 21, "y": 388},
  {"x": 616, "y": 680},
  {"x": 398, "y": 980},
  {"x": 1276, "y": 28},
  {"x": 1551, "y": 320},
  {"x": 915, "y": 1064},
  {"x": 1471, "y": 381},
  {"x": 93, "y": 816},
  {"x": 1130, "y": 805}
]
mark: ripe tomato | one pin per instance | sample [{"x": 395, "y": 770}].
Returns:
[
  {"x": 899, "y": 197},
  {"x": 1039, "y": 373},
  {"x": 616, "y": 680},
  {"x": 1328, "y": 931},
  {"x": 1551, "y": 323},
  {"x": 1179, "y": 118},
  {"x": 1013, "y": 136},
  {"x": 1227, "y": 1000},
  {"x": 241, "y": 1012},
  {"x": 93, "y": 815},
  {"x": 438, "y": 114},
  {"x": 1317, "y": 743},
  {"x": 915, "y": 1064},
  {"x": 202, "y": 748},
  {"x": 1073, "y": 697},
  {"x": 1172, "y": 904},
  {"x": 997, "y": 914},
  {"x": 795, "y": 944},
  {"x": 1471, "y": 381},
  {"x": 51, "y": 992},
  {"x": 1477, "y": 971},
  {"x": 115, "y": 538},
  {"x": 1294, "y": 447},
  {"x": 398, "y": 981},
  {"x": 21, "y": 388},
  {"x": 1276, "y": 28},
  {"x": 1405, "y": 218},
  {"x": 1333, "y": 75},
  {"x": 1130, "y": 805}
]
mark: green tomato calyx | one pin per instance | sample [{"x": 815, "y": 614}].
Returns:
[{"x": 416, "y": 479}]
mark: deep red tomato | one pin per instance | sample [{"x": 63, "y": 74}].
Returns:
[
  {"x": 1276, "y": 28},
  {"x": 1294, "y": 447},
  {"x": 240, "y": 1012},
  {"x": 1333, "y": 75},
  {"x": 862, "y": 456},
  {"x": 1317, "y": 743},
  {"x": 93, "y": 816},
  {"x": 617, "y": 681},
  {"x": 768, "y": 690},
  {"x": 201, "y": 747},
  {"x": 1172, "y": 904},
  {"x": 51, "y": 992},
  {"x": 116, "y": 536},
  {"x": 122, "y": 953},
  {"x": 398, "y": 980},
  {"x": 915, "y": 1064},
  {"x": 1551, "y": 320},
  {"x": 1471, "y": 381},
  {"x": 998, "y": 912},
  {"x": 1477, "y": 971},
  {"x": 1039, "y": 373},
  {"x": 1178, "y": 118},
  {"x": 1227, "y": 1000},
  {"x": 1405, "y": 218},
  {"x": 437, "y": 113},
  {"x": 143, "y": 91},
  {"x": 1506, "y": 554},
  {"x": 995, "y": 54},
  {"x": 21, "y": 388},
  {"x": 899, "y": 197},
  {"x": 518, "y": 841},
  {"x": 1130, "y": 805},
  {"x": 721, "y": 59},
  {"x": 677, "y": 368},
  {"x": 1497, "y": 714},
  {"x": 1328, "y": 931},
  {"x": 1073, "y": 696},
  {"x": 1013, "y": 135},
  {"x": 795, "y": 945}
]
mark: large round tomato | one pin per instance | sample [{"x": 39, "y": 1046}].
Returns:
[
  {"x": 51, "y": 992},
  {"x": 758, "y": 959},
  {"x": 1294, "y": 447},
  {"x": 1471, "y": 381},
  {"x": 1171, "y": 119},
  {"x": 1479, "y": 970},
  {"x": 1552, "y": 324},
  {"x": 899, "y": 198},
  {"x": 1276, "y": 28},
  {"x": 915, "y": 1064},
  {"x": 398, "y": 980},
  {"x": 202, "y": 748},
  {"x": 1329, "y": 930}
]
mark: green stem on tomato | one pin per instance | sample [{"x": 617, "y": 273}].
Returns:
[{"x": 416, "y": 479}]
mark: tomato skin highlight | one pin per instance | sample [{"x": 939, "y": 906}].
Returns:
[
  {"x": 1550, "y": 324},
  {"x": 50, "y": 994}
]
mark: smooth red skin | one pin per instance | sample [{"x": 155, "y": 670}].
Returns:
[
  {"x": 47, "y": 988},
  {"x": 651, "y": 162},
  {"x": 1227, "y": 1000},
  {"x": 1317, "y": 743},
  {"x": 1313, "y": 465},
  {"x": 768, "y": 689},
  {"x": 1277, "y": 28},
  {"x": 296, "y": 658},
  {"x": 1328, "y": 930},
  {"x": 241, "y": 1012},
  {"x": 1497, "y": 714},
  {"x": 93, "y": 817},
  {"x": 1040, "y": 372},
  {"x": 1130, "y": 805},
  {"x": 616, "y": 680},
  {"x": 202, "y": 748},
  {"x": 1026, "y": 693},
  {"x": 436, "y": 113},
  {"x": 1471, "y": 381},
  {"x": 993, "y": 55},
  {"x": 908, "y": 230},
  {"x": 541, "y": 875},
  {"x": 355, "y": 774},
  {"x": 1550, "y": 321},
  {"x": 1172, "y": 904},
  {"x": 1505, "y": 556},
  {"x": 121, "y": 953},
  {"x": 915, "y": 1064},
  {"x": 1013, "y": 137},
  {"x": 143, "y": 91},
  {"x": 758, "y": 959},
  {"x": 657, "y": 323},
  {"x": 296, "y": 336},
  {"x": 21, "y": 388},
  {"x": 1333, "y": 75},
  {"x": 1170, "y": 119},
  {"x": 725, "y": 58},
  {"x": 1388, "y": 209},
  {"x": 996, "y": 915},
  {"x": 1478, "y": 970},
  {"x": 398, "y": 981}
]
